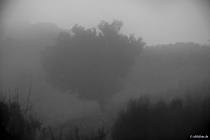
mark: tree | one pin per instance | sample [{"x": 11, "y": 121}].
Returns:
[{"x": 91, "y": 64}]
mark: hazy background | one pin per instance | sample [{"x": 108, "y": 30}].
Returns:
[
  {"x": 164, "y": 21},
  {"x": 38, "y": 22}
]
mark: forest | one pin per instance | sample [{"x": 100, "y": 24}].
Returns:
[{"x": 137, "y": 91}]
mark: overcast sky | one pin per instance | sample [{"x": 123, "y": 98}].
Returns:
[{"x": 156, "y": 21}]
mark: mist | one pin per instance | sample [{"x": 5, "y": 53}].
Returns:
[{"x": 175, "y": 52}]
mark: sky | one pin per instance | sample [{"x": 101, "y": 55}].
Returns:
[{"x": 157, "y": 22}]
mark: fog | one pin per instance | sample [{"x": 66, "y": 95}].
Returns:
[
  {"x": 167, "y": 62},
  {"x": 157, "y": 22}
]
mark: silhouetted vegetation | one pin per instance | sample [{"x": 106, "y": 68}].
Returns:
[
  {"x": 176, "y": 120},
  {"x": 142, "y": 119},
  {"x": 90, "y": 63},
  {"x": 99, "y": 135},
  {"x": 16, "y": 122}
]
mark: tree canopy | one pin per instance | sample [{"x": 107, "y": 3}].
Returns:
[{"x": 90, "y": 63}]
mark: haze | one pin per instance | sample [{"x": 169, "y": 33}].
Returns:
[
  {"x": 158, "y": 22},
  {"x": 27, "y": 27}
]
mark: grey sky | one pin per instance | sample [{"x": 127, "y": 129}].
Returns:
[{"x": 156, "y": 21}]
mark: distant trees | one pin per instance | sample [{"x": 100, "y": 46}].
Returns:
[
  {"x": 180, "y": 54},
  {"x": 91, "y": 63}
]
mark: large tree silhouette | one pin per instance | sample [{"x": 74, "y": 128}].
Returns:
[{"x": 90, "y": 63}]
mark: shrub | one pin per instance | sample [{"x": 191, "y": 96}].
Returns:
[
  {"x": 173, "y": 121},
  {"x": 17, "y": 123}
]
